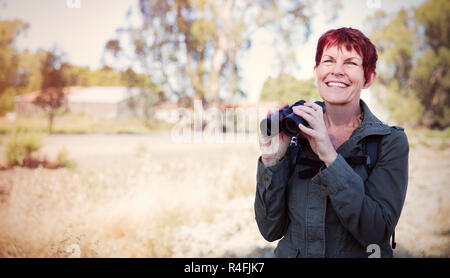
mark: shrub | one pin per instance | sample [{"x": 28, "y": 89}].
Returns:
[
  {"x": 21, "y": 147},
  {"x": 62, "y": 160}
]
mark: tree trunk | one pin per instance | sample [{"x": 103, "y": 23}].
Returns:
[
  {"x": 223, "y": 41},
  {"x": 51, "y": 117}
]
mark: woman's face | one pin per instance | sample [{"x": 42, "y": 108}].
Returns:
[{"x": 340, "y": 76}]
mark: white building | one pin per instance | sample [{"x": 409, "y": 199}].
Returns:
[{"x": 106, "y": 102}]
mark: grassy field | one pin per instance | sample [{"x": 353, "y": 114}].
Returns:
[
  {"x": 144, "y": 196},
  {"x": 82, "y": 124},
  {"x": 124, "y": 198}
]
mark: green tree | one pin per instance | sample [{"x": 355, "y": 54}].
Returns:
[
  {"x": 78, "y": 76},
  {"x": 286, "y": 89},
  {"x": 414, "y": 68},
  {"x": 51, "y": 97},
  {"x": 148, "y": 96},
  {"x": 10, "y": 75},
  {"x": 191, "y": 48},
  {"x": 30, "y": 64},
  {"x": 106, "y": 76},
  {"x": 431, "y": 76}
]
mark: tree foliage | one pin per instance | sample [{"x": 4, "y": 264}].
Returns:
[
  {"x": 414, "y": 68},
  {"x": 192, "y": 48},
  {"x": 287, "y": 89},
  {"x": 106, "y": 76},
  {"x": 51, "y": 97},
  {"x": 10, "y": 75}
]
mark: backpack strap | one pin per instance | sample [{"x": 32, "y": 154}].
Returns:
[{"x": 370, "y": 149}]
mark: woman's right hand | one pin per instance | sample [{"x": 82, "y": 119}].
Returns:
[{"x": 273, "y": 148}]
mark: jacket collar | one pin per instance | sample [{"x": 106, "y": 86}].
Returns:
[{"x": 370, "y": 124}]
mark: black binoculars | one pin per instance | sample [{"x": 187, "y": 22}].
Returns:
[{"x": 285, "y": 121}]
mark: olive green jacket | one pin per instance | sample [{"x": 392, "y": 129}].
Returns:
[{"x": 341, "y": 210}]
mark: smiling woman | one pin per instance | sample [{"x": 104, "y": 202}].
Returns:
[{"x": 344, "y": 189}]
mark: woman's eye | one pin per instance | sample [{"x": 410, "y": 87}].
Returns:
[
  {"x": 327, "y": 61},
  {"x": 352, "y": 63}
]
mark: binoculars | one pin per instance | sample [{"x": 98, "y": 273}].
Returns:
[{"x": 285, "y": 121}]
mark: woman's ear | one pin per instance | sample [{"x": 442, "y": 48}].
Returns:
[{"x": 371, "y": 80}]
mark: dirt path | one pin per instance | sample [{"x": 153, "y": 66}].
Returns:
[{"x": 424, "y": 226}]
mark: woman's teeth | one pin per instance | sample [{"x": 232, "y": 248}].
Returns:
[{"x": 336, "y": 84}]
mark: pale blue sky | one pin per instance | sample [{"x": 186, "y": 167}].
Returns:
[{"x": 82, "y": 33}]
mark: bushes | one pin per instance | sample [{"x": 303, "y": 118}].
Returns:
[
  {"x": 22, "y": 147},
  {"x": 62, "y": 160},
  {"x": 22, "y": 150}
]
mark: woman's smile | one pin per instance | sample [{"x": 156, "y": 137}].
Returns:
[{"x": 339, "y": 84}]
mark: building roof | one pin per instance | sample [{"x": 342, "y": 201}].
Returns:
[{"x": 101, "y": 94}]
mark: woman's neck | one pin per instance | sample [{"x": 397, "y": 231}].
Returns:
[{"x": 342, "y": 116}]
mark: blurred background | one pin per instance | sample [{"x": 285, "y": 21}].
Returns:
[{"x": 92, "y": 91}]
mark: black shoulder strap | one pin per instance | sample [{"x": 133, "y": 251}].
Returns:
[{"x": 370, "y": 148}]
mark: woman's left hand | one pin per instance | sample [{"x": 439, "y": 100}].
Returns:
[{"x": 317, "y": 135}]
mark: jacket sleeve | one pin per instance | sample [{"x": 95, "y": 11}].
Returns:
[
  {"x": 370, "y": 213},
  {"x": 270, "y": 199}
]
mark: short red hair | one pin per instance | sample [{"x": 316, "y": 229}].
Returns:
[{"x": 351, "y": 39}]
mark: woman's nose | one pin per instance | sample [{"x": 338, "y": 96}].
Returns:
[{"x": 338, "y": 69}]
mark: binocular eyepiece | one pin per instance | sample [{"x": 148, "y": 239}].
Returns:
[{"x": 285, "y": 121}]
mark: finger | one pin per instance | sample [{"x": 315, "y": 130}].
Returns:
[
  {"x": 272, "y": 146},
  {"x": 307, "y": 109},
  {"x": 264, "y": 140},
  {"x": 277, "y": 109},
  {"x": 266, "y": 148},
  {"x": 308, "y": 131},
  {"x": 314, "y": 106},
  {"x": 283, "y": 106},
  {"x": 313, "y": 117},
  {"x": 309, "y": 117}
]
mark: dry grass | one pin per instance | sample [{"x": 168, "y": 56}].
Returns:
[{"x": 119, "y": 204}]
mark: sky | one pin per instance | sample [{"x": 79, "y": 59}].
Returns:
[{"x": 83, "y": 32}]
